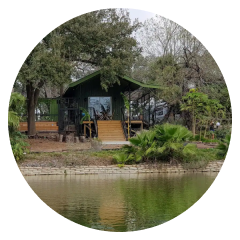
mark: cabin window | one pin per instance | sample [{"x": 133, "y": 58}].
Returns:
[{"x": 101, "y": 104}]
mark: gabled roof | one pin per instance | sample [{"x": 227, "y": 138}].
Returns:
[{"x": 88, "y": 77}]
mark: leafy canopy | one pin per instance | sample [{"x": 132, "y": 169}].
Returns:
[{"x": 103, "y": 39}]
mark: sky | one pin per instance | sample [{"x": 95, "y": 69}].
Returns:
[{"x": 141, "y": 15}]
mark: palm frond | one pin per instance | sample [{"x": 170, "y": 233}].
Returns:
[{"x": 190, "y": 149}]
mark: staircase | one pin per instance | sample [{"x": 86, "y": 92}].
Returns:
[{"x": 110, "y": 130}]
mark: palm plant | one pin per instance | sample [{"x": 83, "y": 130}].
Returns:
[
  {"x": 171, "y": 139},
  {"x": 173, "y": 133},
  {"x": 123, "y": 157},
  {"x": 144, "y": 146},
  {"x": 86, "y": 116}
]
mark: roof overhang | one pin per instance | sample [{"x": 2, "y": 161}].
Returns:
[{"x": 131, "y": 84}]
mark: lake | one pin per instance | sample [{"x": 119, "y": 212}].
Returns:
[{"x": 121, "y": 202}]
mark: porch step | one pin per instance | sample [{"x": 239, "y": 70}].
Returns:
[{"x": 110, "y": 130}]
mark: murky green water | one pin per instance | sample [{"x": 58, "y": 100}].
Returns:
[{"x": 121, "y": 202}]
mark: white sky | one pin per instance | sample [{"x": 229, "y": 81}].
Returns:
[{"x": 140, "y": 14}]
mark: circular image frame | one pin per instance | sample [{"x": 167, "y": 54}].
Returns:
[{"x": 141, "y": 233}]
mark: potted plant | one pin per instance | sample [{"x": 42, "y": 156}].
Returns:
[{"x": 85, "y": 116}]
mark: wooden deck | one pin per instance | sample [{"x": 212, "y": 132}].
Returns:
[
  {"x": 40, "y": 126},
  {"x": 52, "y": 126}
]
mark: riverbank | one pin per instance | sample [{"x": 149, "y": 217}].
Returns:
[{"x": 213, "y": 166}]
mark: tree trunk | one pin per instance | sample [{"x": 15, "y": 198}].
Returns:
[
  {"x": 193, "y": 124},
  {"x": 32, "y": 98},
  {"x": 205, "y": 131},
  {"x": 31, "y": 119}
]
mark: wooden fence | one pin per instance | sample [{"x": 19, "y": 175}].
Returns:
[{"x": 40, "y": 126}]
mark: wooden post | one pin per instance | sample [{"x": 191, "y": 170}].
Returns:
[
  {"x": 90, "y": 130},
  {"x": 84, "y": 130},
  {"x": 128, "y": 126}
]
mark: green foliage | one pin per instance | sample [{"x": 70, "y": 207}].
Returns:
[
  {"x": 172, "y": 133},
  {"x": 45, "y": 65},
  {"x": 202, "y": 109},
  {"x": 171, "y": 139},
  {"x": 13, "y": 120},
  {"x": 165, "y": 72},
  {"x": 16, "y": 104},
  {"x": 206, "y": 140},
  {"x": 19, "y": 145},
  {"x": 201, "y": 158},
  {"x": 121, "y": 165},
  {"x": 223, "y": 147},
  {"x": 126, "y": 102},
  {"x": 165, "y": 142},
  {"x": 86, "y": 116},
  {"x": 122, "y": 158},
  {"x": 144, "y": 146},
  {"x": 222, "y": 133},
  {"x": 102, "y": 39},
  {"x": 195, "y": 102},
  {"x": 17, "y": 140}
]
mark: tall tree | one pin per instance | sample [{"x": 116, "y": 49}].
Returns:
[
  {"x": 160, "y": 38},
  {"x": 165, "y": 72},
  {"x": 101, "y": 39},
  {"x": 43, "y": 65}
]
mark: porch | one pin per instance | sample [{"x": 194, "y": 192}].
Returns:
[{"x": 85, "y": 109}]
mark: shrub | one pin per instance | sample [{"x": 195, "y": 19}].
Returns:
[
  {"x": 223, "y": 147},
  {"x": 222, "y": 133},
  {"x": 19, "y": 145},
  {"x": 171, "y": 139},
  {"x": 122, "y": 158},
  {"x": 144, "y": 146}
]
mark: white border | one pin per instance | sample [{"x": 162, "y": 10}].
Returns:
[{"x": 179, "y": 219}]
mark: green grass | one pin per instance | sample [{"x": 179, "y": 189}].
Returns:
[
  {"x": 202, "y": 157},
  {"x": 210, "y": 154},
  {"x": 74, "y": 156},
  {"x": 105, "y": 153}
]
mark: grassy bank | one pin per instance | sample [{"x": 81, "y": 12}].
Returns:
[{"x": 104, "y": 157}]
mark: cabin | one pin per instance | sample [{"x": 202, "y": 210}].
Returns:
[{"x": 86, "y": 109}]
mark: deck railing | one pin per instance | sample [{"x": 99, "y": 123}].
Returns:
[
  {"x": 95, "y": 121},
  {"x": 124, "y": 124}
]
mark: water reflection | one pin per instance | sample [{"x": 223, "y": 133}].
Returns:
[{"x": 121, "y": 202}]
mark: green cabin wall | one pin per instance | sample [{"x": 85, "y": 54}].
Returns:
[
  {"x": 92, "y": 88},
  {"x": 54, "y": 110}
]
